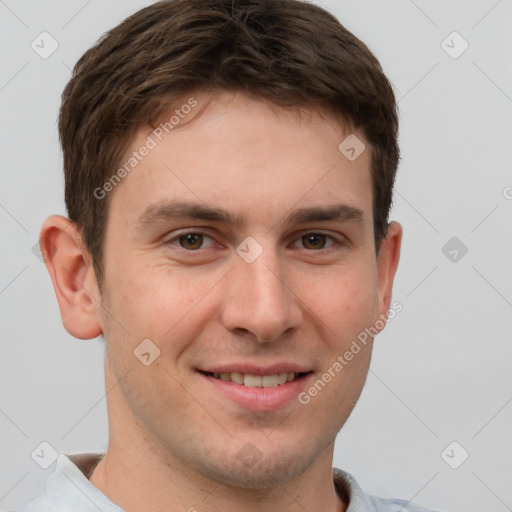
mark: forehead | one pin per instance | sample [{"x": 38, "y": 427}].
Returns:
[{"x": 248, "y": 156}]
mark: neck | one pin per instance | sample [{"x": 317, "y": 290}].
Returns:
[{"x": 122, "y": 477}]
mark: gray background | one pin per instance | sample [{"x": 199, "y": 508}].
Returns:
[{"x": 441, "y": 369}]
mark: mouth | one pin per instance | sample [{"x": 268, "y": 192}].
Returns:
[
  {"x": 257, "y": 381},
  {"x": 254, "y": 388}
]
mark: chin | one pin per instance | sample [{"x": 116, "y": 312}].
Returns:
[{"x": 253, "y": 470}]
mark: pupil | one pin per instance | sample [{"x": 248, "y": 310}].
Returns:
[
  {"x": 192, "y": 240},
  {"x": 315, "y": 240}
]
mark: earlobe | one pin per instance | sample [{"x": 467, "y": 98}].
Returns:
[
  {"x": 73, "y": 277},
  {"x": 387, "y": 264}
]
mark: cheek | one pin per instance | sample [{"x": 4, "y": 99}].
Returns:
[
  {"x": 346, "y": 300},
  {"x": 159, "y": 302}
]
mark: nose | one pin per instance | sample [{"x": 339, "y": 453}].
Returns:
[{"x": 259, "y": 301}]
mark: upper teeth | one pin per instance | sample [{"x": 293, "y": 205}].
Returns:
[{"x": 257, "y": 381}]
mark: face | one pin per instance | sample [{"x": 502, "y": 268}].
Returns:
[{"x": 242, "y": 247}]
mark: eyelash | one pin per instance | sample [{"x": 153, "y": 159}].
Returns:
[{"x": 335, "y": 242}]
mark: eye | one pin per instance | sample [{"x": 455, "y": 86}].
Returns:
[
  {"x": 191, "y": 241},
  {"x": 316, "y": 241}
]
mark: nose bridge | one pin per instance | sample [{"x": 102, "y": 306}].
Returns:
[{"x": 258, "y": 299}]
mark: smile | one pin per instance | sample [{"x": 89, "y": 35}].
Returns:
[{"x": 257, "y": 381}]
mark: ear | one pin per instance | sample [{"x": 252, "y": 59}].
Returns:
[
  {"x": 387, "y": 263},
  {"x": 73, "y": 277}
]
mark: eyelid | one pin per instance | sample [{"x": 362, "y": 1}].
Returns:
[
  {"x": 337, "y": 240},
  {"x": 186, "y": 231}
]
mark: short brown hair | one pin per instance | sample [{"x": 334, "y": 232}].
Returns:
[{"x": 291, "y": 52}]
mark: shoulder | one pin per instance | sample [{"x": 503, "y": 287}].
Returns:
[
  {"x": 68, "y": 489},
  {"x": 396, "y": 505},
  {"x": 39, "y": 504},
  {"x": 360, "y": 501}
]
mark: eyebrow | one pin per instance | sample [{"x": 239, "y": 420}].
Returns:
[{"x": 170, "y": 210}]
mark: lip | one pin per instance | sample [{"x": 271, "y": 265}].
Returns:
[
  {"x": 257, "y": 399},
  {"x": 252, "y": 369}
]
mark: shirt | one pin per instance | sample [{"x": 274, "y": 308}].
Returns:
[{"x": 69, "y": 490}]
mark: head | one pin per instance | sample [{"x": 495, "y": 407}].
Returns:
[
  {"x": 291, "y": 53},
  {"x": 214, "y": 214}
]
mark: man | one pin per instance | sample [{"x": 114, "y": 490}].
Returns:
[{"x": 229, "y": 170}]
